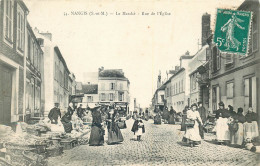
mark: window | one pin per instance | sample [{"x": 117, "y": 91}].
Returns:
[
  {"x": 111, "y": 97},
  {"x": 8, "y": 21},
  {"x": 29, "y": 47},
  {"x": 89, "y": 98},
  {"x": 250, "y": 89},
  {"x": 121, "y": 97},
  {"x": 229, "y": 58},
  {"x": 103, "y": 96},
  {"x": 174, "y": 89},
  {"x": 20, "y": 28},
  {"x": 230, "y": 93},
  {"x": 40, "y": 41},
  {"x": 112, "y": 86},
  {"x": 162, "y": 98},
  {"x": 215, "y": 97},
  {"x": 253, "y": 40},
  {"x": 215, "y": 59},
  {"x": 179, "y": 86},
  {"x": 182, "y": 85}
]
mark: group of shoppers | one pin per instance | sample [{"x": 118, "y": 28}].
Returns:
[
  {"x": 235, "y": 128},
  {"x": 167, "y": 116},
  {"x": 231, "y": 127},
  {"x": 55, "y": 114},
  {"x": 114, "y": 134}
]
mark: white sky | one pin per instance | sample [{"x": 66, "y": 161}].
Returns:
[{"x": 140, "y": 45}]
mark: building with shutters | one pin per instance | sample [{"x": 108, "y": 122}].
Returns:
[
  {"x": 113, "y": 87},
  {"x": 199, "y": 82},
  {"x": 34, "y": 83},
  {"x": 13, "y": 18},
  {"x": 234, "y": 79},
  {"x": 56, "y": 73},
  {"x": 89, "y": 92}
]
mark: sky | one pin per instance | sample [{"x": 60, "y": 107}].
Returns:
[{"x": 141, "y": 45}]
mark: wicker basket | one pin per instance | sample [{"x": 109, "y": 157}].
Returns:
[
  {"x": 54, "y": 151},
  {"x": 17, "y": 149}
]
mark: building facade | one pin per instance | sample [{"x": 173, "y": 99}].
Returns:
[
  {"x": 113, "y": 87},
  {"x": 198, "y": 77},
  {"x": 56, "y": 74},
  {"x": 177, "y": 90},
  {"x": 13, "y": 18},
  {"x": 91, "y": 96},
  {"x": 234, "y": 79},
  {"x": 34, "y": 83}
]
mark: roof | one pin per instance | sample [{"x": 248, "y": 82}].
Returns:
[
  {"x": 112, "y": 73},
  {"x": 182, "y": 69},
  {"x": 161, "y": 87},
  {"x": 23, "y": 5},
  {"x": 33, "y": 36},
  {"x": 186, "y": 57},
  {"x": 90, "y": 89},
  {"x": 248, "y": 2}
]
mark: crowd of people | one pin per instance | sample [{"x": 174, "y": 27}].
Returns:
[{"x": 232, "y": 128}]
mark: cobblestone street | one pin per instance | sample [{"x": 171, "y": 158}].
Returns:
[{"x": 161, "y": 145}]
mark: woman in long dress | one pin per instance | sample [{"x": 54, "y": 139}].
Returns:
[
  {"x": 158, "y": 118},
  {"x": 222, "y": 129},
  {"x": 97, "y": 131},
  {"x": 66, "y": 119},
  {"x": 114, "y": 133},
  {"x": 184, "y": 117},
  {"x": 250, "y": 126},
  {"x": 171, "y": 119},
  {"x": 237, "y": 137},
  {"x": 192, "y": 134}
]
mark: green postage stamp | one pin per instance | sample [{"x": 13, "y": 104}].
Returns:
[{"x": 232, "y": 31}]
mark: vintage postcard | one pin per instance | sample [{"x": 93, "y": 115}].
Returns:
[{"x": 129, "y": 82}]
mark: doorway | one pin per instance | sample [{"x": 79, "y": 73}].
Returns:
[{"x": 5, "y": 94}]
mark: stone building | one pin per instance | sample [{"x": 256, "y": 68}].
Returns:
[
  {"x": 199, "y": 83},
  {"x": 13, "y": 18},
  {"x": 234, "y": 79},
  {"x": 56, "y": 73},
  {"x": 34, "y": 83},
  {"x": 113, "y": 87}
]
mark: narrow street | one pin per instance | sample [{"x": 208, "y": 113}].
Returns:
[{"x": 161, "y": 145}]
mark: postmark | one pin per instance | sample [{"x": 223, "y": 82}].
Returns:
[{"x": 232, "y": 31}]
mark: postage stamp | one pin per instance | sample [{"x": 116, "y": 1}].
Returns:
[{"x": 232, "y": 31}]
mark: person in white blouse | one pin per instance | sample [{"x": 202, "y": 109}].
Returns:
[{"x": 192, "y": 134}]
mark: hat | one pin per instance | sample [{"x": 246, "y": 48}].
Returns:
[
  {"x": 221, "y": 104},
  {"x": 239, "y": 110},
  {"x": 194, "y": 104},
  {"x": 199, "y": 102}
]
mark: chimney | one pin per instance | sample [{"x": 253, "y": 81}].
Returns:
[
  {"x": 159, "y": 80},
  {"x": 205, "y": 33},
  {"x": 47, "y": 35}
]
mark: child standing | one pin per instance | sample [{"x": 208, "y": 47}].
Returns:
[{"x": 138, "y": 128}]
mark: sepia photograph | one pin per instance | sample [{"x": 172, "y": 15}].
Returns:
[{"x": 129, "y": 82}]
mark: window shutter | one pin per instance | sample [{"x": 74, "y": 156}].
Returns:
[{"x": 229, "y": 58}]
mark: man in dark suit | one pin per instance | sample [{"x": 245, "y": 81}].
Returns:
[
  {"x": 54, "y": 114},
  {"x": 203, "y": 115}
]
